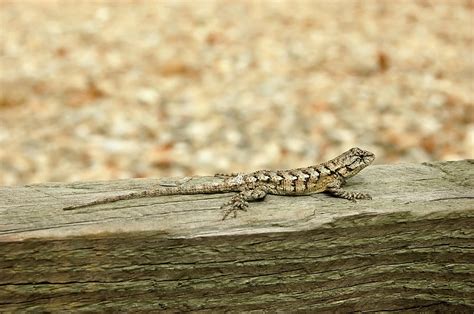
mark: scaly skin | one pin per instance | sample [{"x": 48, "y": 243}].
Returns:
[{"x": 325, "y": 177}]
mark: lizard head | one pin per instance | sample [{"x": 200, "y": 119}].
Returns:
[{"x": 353, "y": 161}]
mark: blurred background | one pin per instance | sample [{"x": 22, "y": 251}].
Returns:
[{"x": 98, "y": 90}]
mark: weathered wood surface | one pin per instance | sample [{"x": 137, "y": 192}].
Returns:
[{"x": 409, "y": 249}]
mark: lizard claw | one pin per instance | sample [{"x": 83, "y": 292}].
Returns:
[
  {"x": 233, "y": 206},
  {"x": 362, "y": 196},
  {"x": 233, "y": 210},
  {"x": 359, "y": 196}
]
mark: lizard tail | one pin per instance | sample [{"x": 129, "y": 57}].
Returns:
[{"x": 161, "y": 191}]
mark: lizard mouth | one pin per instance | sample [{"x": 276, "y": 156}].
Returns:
[{"x": 369, "y": 158}]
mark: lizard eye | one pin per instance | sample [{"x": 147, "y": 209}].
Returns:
[{"x": 357, "y": 151}]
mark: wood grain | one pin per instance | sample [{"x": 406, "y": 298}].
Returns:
[{"x": 409, "y": 249}]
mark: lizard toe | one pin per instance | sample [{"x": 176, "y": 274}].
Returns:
[{"x": 363, "y": 196}]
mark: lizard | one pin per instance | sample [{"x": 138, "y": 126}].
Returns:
[{"x": 326, "y": 177}]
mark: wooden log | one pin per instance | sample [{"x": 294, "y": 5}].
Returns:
[{"x": 408, "y": 249}]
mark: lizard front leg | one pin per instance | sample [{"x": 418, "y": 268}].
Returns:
[
  {"x": 241, "y": 201},
  {"x": 352, "y": 196},
  {"x": 335, "y": 190}
]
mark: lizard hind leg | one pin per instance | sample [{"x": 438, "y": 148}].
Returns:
[{"x": 241, "y": 201}]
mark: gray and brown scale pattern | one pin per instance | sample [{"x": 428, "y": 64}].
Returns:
[{"x": 325, "y": 177}]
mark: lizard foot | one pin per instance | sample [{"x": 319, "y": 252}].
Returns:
[
  {"x": 235, "y": 204},
  {"x": 362, "y": 196},
  {"x": 351, "y": 196},
  {"x": 241, "y": 201}
]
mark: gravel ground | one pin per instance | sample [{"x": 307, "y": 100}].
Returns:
[{"x": 102, "y": 90}]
